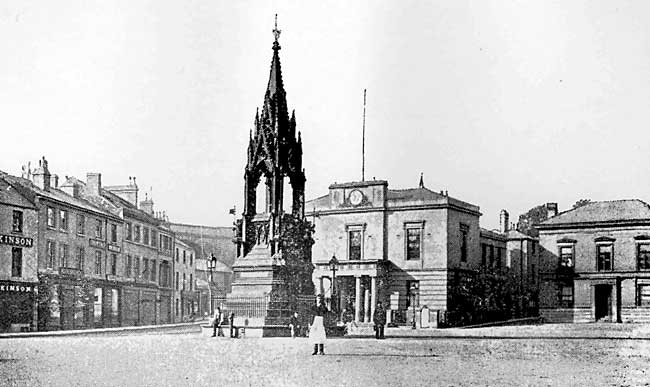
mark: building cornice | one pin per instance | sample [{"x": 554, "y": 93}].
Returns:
[
  {"x": 448, "y": 206},
  {"x": 2, "y": 203},
  {"x": 606, "y": 224},
  {"x": 359, "y": 184}
]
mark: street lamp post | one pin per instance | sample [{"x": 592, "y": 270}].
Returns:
[
  {"x": 333, "y": 264},
  {"x": 414, "y": 288},
  {"x": 212, "y": 264}
]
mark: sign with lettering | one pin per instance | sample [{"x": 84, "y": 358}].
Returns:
[
  {"x": 16, "y": 287},
  {"x": 97, "y": 243},
  {"x": 114, "y": 248},
  {"x": 71, "y": 271},
  {"x": 16, "y": 240}
]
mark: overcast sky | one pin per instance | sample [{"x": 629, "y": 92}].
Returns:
[{"x": 505, "y": 104}]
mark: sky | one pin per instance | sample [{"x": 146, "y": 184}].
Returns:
[{"x": 504, "y": 104}]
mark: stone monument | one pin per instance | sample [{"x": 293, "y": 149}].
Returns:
[{"x": 273, "y": 269}]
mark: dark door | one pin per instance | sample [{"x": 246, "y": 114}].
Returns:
[
  {"x": 603, "y": 302},
  {"x": 67, "y": 307}
]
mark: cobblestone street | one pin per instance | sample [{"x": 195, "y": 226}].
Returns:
[{"x": 150, "y": 359}]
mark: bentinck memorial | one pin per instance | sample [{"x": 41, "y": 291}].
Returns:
[{"x": 273, "y": 269}]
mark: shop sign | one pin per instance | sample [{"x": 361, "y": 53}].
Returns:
[
  {"x": 16, "y": 287},
  {"x": 71, "y": 271},
  {"x": 97, "y": 243},
  {"x": 15, "y": 240},
  {"x": 114, "y": 248}
]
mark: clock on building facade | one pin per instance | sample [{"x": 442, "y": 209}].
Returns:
[{"x": 356, "y": 197}]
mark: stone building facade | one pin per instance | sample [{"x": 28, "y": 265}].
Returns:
[
  {"x": 18, "y": 257},
  {"x": 186, "y": 300},
  {"x": 595, "y": 263},
  {"x": 401, "y": 247},
  {"x": 83, "y": 255},
  {"x": 148, "y": 257},
  {"x": 78, "y": 249}
]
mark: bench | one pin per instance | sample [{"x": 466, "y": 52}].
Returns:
[{"x": 250, "y": 330}]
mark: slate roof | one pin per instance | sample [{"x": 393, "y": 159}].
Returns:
[
  {"x": 491, "y": 234},
  {"x": 113, "y": 203},
  {"x": 413, "y": 194},
  {"x": 14, "y": 194},
  {"x": 56, "y": 194},
  {"x": 515, "y": 234},
  {"x": 605, "y": 211}
]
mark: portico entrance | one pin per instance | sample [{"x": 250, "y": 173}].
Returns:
[{"x": 356, "y": 290}]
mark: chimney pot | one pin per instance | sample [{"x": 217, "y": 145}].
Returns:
[{"x": 504, "y": 218}]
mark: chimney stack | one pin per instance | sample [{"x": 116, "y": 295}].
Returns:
[
  {"x": 94, "y": 182},
  {"x": 504, "y": 219},
  {"x": 54, "y": 181},
  {"x": 127, "y": 192},
  {"x": 551, "y": 209},
  {"x": 42, "y": 175},
  {"x": 71, "y": 189},
  {"x": 147, "y": 205}
]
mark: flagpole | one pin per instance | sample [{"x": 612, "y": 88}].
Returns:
[{"x": 363, "y": 140}]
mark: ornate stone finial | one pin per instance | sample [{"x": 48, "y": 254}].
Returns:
[
  {"x": 276, "y": 31},
  {"x": 421, "y": 180}
]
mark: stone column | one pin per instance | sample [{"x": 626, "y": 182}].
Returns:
[
  {"x": 357, "y": 299},
  {"x": 320, "y": 286},
  {"x": 366, "y": 305},
  {"x": 373, "y": 296}
]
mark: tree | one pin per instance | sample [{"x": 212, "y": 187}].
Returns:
[
  {"x": 581, "y": 202},
  {"x": 533, "y": 217}
]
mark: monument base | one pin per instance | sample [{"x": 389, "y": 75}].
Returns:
[{"x": 261, "y": 296}]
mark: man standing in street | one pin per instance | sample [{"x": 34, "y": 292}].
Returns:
[
  {"x": 216, "y": 323},
  {"x": 379, "y": 318},
  {"x": 294, "y": 324},
  {"x": 233, "y": 328}
]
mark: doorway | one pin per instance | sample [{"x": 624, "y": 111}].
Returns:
[{"x": 603, "y": 302}]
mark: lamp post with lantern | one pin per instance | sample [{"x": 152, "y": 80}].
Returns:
[
  {"x": 212, "y": 264},
  {"x": 333, "y": 264},
  {"x": 413, "y": 289}
]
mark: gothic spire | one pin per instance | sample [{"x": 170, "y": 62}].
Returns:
[{"x": 275, "y": 100}]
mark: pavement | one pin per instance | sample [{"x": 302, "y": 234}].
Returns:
[
  {"x": 181, "y": 327},
  {"x": 537, "y": 331},
  {"x": 604, "y": 357}
]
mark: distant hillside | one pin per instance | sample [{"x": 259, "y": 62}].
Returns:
[{"x": 208, "y": 239}]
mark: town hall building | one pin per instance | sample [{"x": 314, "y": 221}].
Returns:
[{"x": 403, "y": 247}]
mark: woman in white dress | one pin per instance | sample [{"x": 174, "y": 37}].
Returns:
[{"x": 317, "y": 330}]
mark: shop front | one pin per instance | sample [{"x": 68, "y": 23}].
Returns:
[
  {"x": 165, "y": 306},
  {"x": 17, "y": 302},
  {"x": 65, "y": 301},
  {"x": 189, "y": 304}
]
